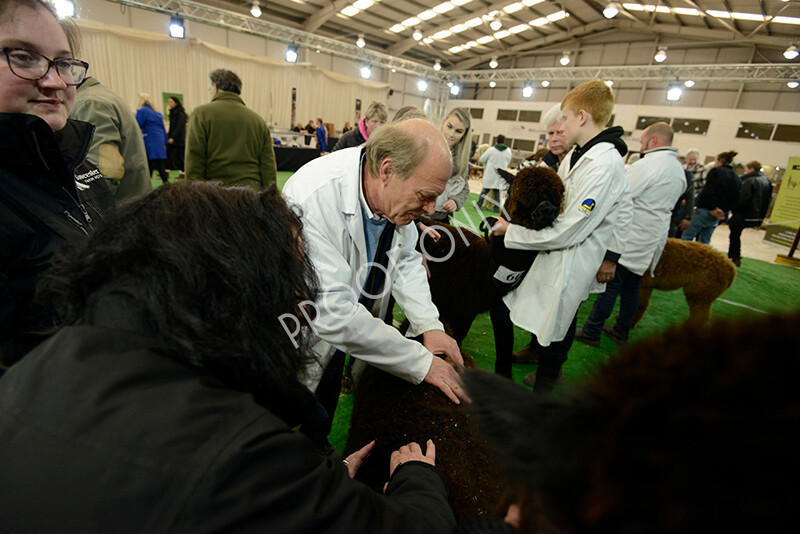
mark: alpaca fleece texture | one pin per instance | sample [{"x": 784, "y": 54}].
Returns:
[{"x": 701, "y": 271}]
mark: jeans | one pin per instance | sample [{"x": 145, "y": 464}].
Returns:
[
  {"x": 701, "y": 227},
  {"x": 626, "y": 285}
]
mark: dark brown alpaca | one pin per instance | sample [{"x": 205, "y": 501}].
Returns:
[{"x": 394, "y": 412}]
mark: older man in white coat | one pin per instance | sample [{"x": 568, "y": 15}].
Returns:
[
  {"x": 349, "y": 200},
  {"x": 656, "y": 182}
]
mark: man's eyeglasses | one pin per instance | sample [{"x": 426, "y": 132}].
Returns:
[{"x": 30, "y": 65}]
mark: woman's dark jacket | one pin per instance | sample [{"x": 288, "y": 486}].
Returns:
[
  {"x": 101, "y": 432},
  {"x": 50, "y": 193},
  {"x": 754, "y": 200},
  {"x": 721, "y": 189},
  {"x": 349, "y": 139},
  {"x": 177, "y": 126}
]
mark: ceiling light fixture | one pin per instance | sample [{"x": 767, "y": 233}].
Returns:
[
  {"x": 493, "y": 63},
  {"x": 609, "y": 82},
  {"x": 527, "y": 90},
  {"x": 674, "y": 93},
  {"x": 256, "y": 9},
  {"x": 455, "y": 89},
  {"x": 417, "y": 35},
  {"x": 64, "y": 8},
  {"x": 492, "y": 84},
  {"x": 176, "y": 29},
  {"x": 366, "y": 71},
  {"x": 611, "y": 10},
  {"x": 437, "y": 66},
  {"x": 545, "y": 83},
  {"x": 565, "y": 59},
  {"x": 495, "y": 25},
  {"x": 291, "y": 54},
  {"x": 793, "y": 84},
  {"x": 791, "y": 52},
  {"x": 661, "y": 55},
  {"x": 689, "y": 83},
  {"x": 422, "y": 85},
  {"x": 360, "y": 42}
]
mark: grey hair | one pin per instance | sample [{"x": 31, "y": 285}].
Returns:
[
  {"x": 379, "y": 109},
  {"x": 552, "y": 116},
  {"x": 693, "y": 151},
  {"x": 406, "y": 150}
]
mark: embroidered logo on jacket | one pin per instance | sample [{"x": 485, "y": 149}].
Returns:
[{"x": 587, "y": 206}]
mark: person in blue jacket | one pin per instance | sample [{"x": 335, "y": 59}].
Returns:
[
  {"x": 322, "y": 137},
  {"x": 151, "y": 123}
]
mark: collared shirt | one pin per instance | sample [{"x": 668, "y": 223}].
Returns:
[{"x": 373, "y": 224}]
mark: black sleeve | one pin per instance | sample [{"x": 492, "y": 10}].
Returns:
[{"x": 273, "y": 480}]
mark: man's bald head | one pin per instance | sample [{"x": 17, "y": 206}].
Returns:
[{"x": 657, "y": 135}]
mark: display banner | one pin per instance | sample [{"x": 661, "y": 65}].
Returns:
[
  {"x": 358, "y": 110},
  {"x": 294, "y": 107},
  {"x": 785, "y": 218}
]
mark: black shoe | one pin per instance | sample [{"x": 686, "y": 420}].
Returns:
[
  {"x": 530, "y": 379},
  {"x": 526, "y": 355},
  {"x": 347, "y": 381},
  {"x": 589, "y": 340},
  {"x": 737, "y": 261},
  {"x": 617, "y": 337}
]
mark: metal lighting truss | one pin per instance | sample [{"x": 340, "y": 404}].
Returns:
[
  {"x": 753, "y": 73},
  {"x": 247, "y": 24}
]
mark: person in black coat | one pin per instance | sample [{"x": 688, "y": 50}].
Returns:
[
  {"x": 176, "y": 137},
  {"x": 50, "y": 192},
  {"x": 718, "y": 196},
  {"x": 754, "y": 200},
  {"x": 374, "y": 118},
  {"x": 166, "y": 400}
]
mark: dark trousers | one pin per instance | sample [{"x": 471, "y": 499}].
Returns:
[
  {"x": 551, "y": 357},
  {"x": 175, "y": 156},
  {"x": 625, "y": 285},
  {"x": 735, "y": 243},
  {"x": 495, "y": 206},
  {"x": 159, "y": 165}
]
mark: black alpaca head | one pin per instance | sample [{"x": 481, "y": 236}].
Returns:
[{"x": 535, "y": 197}]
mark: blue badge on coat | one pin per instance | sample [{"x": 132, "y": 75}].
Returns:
[{"x": 587, "y": 206}]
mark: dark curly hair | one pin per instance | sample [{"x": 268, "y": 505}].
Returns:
[
  {"x": 689, "y": 431},
  {"x": 210, "y": 270},
  {"x": 535, "y": 197}
]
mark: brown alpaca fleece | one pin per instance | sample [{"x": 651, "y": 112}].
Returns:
[
  {"x": 395, "y": 413},
  {"x": 703, "y": 272}
]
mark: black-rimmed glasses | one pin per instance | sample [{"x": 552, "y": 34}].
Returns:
[{"x": 33, "y": 66}]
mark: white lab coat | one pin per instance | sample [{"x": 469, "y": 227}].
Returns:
[
  {"x": 327, "y": 190},
  {"x": 656, "y": 182},
  {"x": 493, "y": 159},
  {"x": 596, "y": 194}
]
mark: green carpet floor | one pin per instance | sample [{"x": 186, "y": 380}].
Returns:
[{"x": 759, "y": 288}]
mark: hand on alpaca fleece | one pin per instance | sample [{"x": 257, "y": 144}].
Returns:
[
  {"x": 354, "y": 461},
  {"x": 441, "y": 373},
  {"x": 411, "y": 453}
]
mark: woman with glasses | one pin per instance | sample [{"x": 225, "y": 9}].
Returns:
[{"x": 50, "y": 193}]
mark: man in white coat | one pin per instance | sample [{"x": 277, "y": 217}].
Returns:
[
  {"x": 347, "y": 199},
  {"x": 585, "y": 239},
  {"x": 495, "y": 157},
  {"x": 656, "y": 182}
]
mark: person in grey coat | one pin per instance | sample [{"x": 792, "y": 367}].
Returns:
[{"x": 117, "y": 147}]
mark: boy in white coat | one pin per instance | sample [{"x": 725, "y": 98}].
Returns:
[{"x": 585, "y": 241}]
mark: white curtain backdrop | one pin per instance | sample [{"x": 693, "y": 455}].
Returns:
[{"x": 131, "y": 62}]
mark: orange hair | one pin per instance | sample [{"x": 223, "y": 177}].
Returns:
[{"x": 594, "y": 97}]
